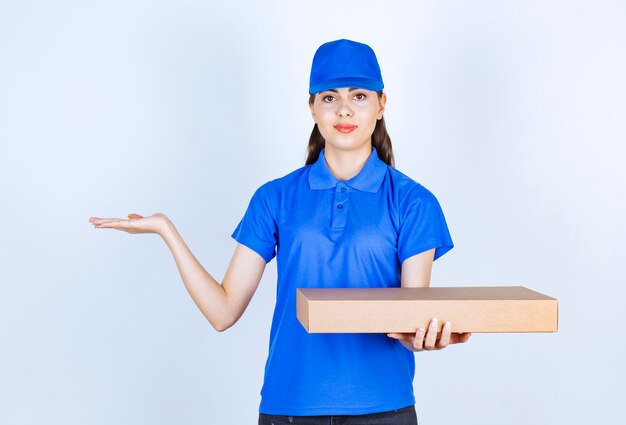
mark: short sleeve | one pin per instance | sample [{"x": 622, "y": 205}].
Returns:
[
  {"x": 422, "y": 225},
  {"x": 257, "y": 229}
]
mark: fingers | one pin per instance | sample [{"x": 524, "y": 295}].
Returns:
[
  {"x": 431, "y": 340},
  {"x": 421, "y": 340},
  {"x": 402, "y": 337},
  {"x": 445, "y": 335},
  {"x": 115, "y": 223},
  {"x": 431, "y": 336},
  {"x": 412, "y": 342},
  {"x": 394, "y": 335},
  {"x": 418, "y": 340},
  {"x": 96, "y": 220}
]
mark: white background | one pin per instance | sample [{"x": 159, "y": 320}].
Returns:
[{"x": 511, "y": 113}]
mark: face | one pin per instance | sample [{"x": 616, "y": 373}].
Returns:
[{"x": 346, "y": 117}]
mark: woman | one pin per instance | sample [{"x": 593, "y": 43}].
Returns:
[{"x": 345, "y": 219}]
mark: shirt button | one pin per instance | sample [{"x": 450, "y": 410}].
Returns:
[
  {"x": 343, "y": 189},
  {"x": 340, "y": 206}
]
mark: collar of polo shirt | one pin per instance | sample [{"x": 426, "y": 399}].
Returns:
[{"x": 368, "y": 179}]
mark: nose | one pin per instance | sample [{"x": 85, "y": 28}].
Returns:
[{"x": 344, "y": 109}]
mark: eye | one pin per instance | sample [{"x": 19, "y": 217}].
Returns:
[
  {"x": 360, "y": 94},
  {"x": 326, "y": 97}
]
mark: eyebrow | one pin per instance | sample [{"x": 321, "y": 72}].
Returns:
[{"x": 351, "y": 89}]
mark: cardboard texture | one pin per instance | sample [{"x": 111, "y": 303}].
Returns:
[{"x": 383, "y": 310}]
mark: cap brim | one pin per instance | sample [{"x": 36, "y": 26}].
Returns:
[{"x": 350, "y": 82}]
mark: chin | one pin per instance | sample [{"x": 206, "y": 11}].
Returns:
[{"x": 345, "y": 145}]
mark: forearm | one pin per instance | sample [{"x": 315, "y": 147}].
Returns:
[{"x": 206, "y": 292}]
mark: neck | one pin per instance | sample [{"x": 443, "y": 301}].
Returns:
[{"x": 345, "y": 164}]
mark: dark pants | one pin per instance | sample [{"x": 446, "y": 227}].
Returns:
[{"x": 404, "y": 416}]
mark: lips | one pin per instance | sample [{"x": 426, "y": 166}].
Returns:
[{"x": 345, "y": 128}]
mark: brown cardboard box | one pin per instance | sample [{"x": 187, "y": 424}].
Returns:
[{"x": 383, "y": 310}]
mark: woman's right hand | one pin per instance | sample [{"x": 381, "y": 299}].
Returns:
[{"x": 135, "y": 223}]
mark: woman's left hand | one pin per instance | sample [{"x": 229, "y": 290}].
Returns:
[{"x": 431, "y": 340}]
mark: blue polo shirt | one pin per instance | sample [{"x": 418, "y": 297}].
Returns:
[{"x": 324, "y": 233}]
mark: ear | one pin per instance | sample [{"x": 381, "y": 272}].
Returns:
[
  {"x": 312, "y": 112},
  {"x": 382, "y": 101}
]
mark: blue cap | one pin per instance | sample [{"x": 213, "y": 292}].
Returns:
[{"x": 345, "y": 63}]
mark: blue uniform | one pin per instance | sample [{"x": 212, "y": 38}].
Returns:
[{"x": 326, "y": 233}]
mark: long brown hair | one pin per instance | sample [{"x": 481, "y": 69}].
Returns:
[{"x": 380, "y": 140}]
